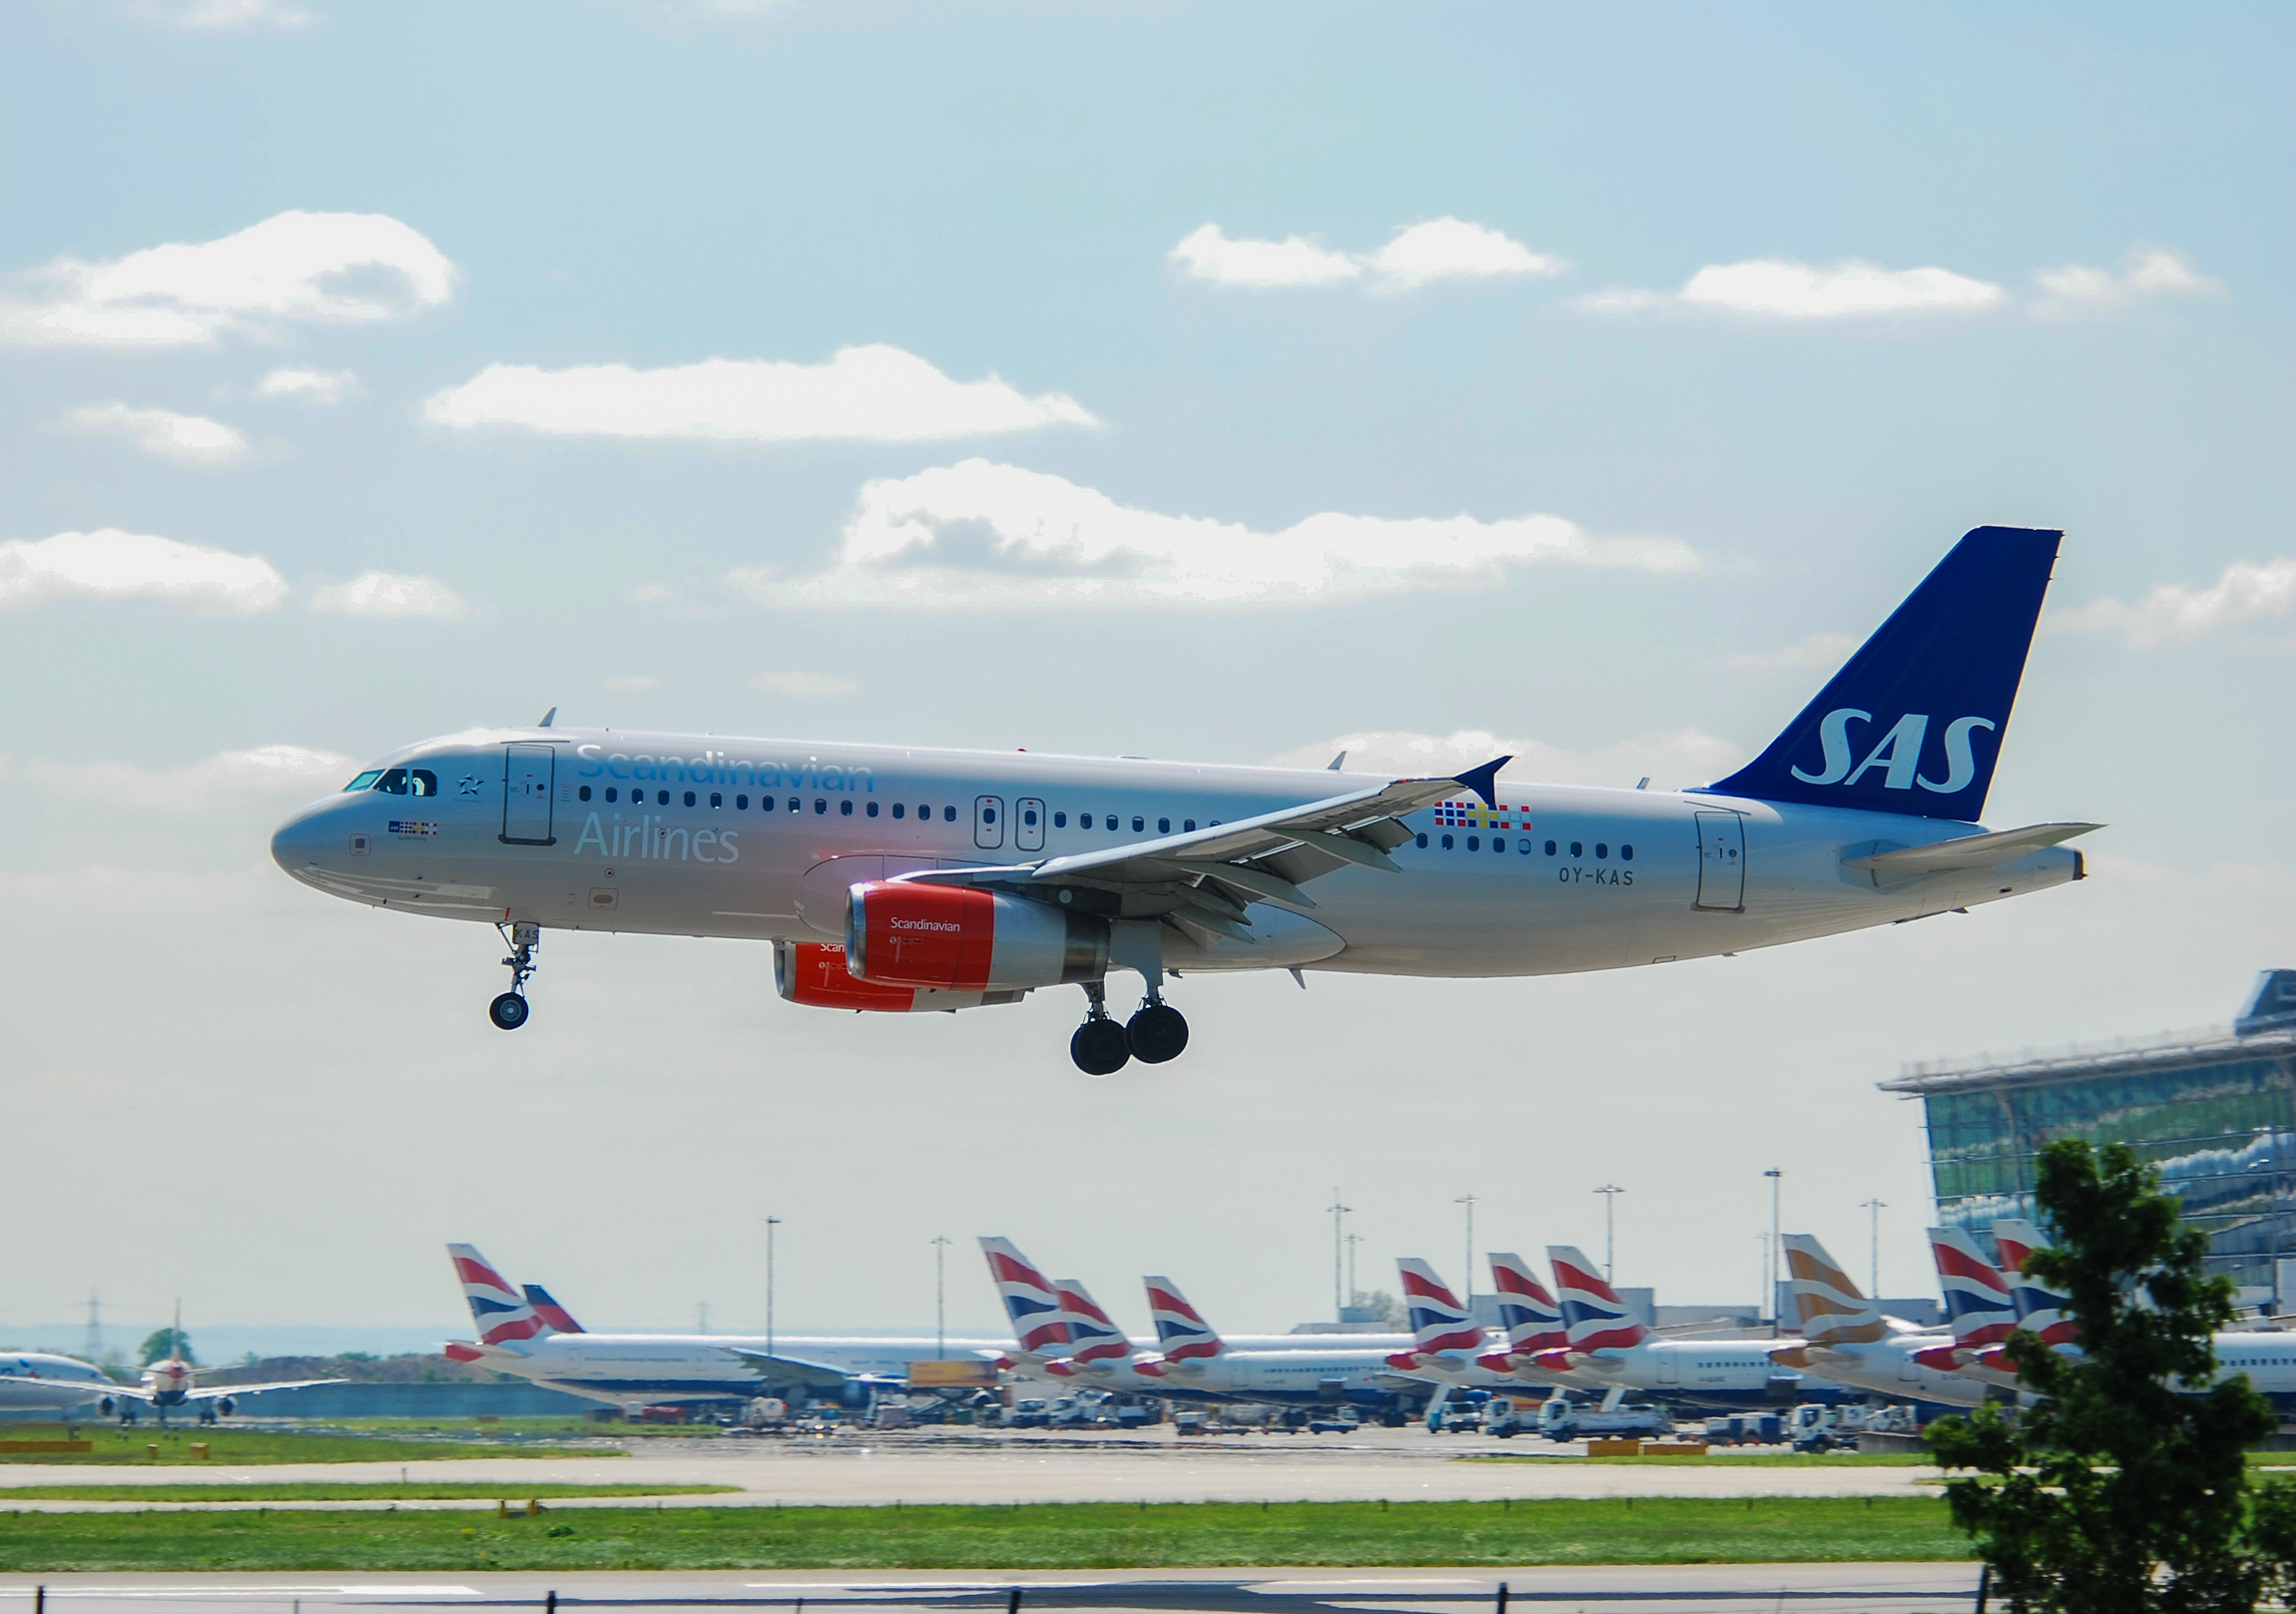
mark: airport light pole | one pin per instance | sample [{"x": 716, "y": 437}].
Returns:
[
  {"x": 1777, "y": 1182},
  {"x": 1339, "y": 1240},
  {"x": 1466, "y": 1289},
  {"x": 772, "y": 1222},
  {"x": 1877, "y": 1206},
  {"x": 1609, "y": 1192},
  {"x": 1354, "y": 1293},
  {"x": 940, "y": 1296}
]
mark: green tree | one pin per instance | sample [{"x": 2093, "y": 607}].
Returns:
[
  {"x": 161, "y": 1344},
  {"x": 2125, "y": 1486}
]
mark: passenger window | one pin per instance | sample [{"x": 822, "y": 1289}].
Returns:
[
  {"x": 1447, "y": 843},
  {"x": 924, "y": 809},
  {"x": 1550, "y": 848},
  {"x": 793, "y": 804},
  {"x": 1522, "y": 846},
  {"x": 365, "y": 782},
  {"x": 613, "y": 795},
  {"x": 872, "y": 809},
  {"x": 1498, "y": 844},
  {"x": 1083, "y": 820},
  {"x": 740, "y": 804},
  {"x": 820, "y": 804},
  {"x": 1163, "y": 827},
  {"x": 846, "y": 806},
  {"x": 1627, "y": 853},
  {"x": 900, "y": 809},
  {"x": 1029, "y": 817},
  {"x": 716, "y": 800},
  {"x": 949, "y": 814},
  {"x": 1577, "y": 851},
  {"x": 1602, "y": 849},
  {"x": 689, "y": 798},
  {"x": 584, "y": 793},
  {"x": 1422, "y": 842},
  {"x": 1138, "y": 823},
  {"x": 1475, "y": 842},
  {"x": 1060, "y": 821},
  {"x": 1187, "y": 826},
  {"x": 662, "y": 798}
]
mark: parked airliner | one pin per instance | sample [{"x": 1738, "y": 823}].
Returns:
[{"x": 896, "y": 879}]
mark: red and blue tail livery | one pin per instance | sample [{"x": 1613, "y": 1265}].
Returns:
[
  {"x": 1529, "y": 1313},
  {"x": 1595, "y": 1317},
  {"x": 2038, "y": 1309},
  {"x": 1092, "y": 1334},
  {"x": 501, "y": 1314},
  {"x": 1182, "y": 1335},
  {"x": 1979, "y": 1304},
  {"x": 1440, "y": 1324},
  {"x": 1040, "y": 1319},
  {"x": 554, "y": 1317}
]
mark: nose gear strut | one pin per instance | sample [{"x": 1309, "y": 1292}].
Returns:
[{"x": 509, "y": 1011}]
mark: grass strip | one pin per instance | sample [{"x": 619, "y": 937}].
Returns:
[
  {"x": 256, "y": 1490},
  {"x": 1089, "y": 1535},
  {"x": 227, "y": 1447},
  {"x": 1752, "y": 1460}
]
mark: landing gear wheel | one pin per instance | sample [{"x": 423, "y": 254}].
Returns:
[
  {"x": 508, "y": 1012},
  {"x": 1099, "y": 1048},
  {"x": 1157, "y": 1033}
]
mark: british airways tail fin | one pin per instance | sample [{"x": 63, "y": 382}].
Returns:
[
  {"x": 1913, "y": 722},
  {"x": 554, "y": 1317}
]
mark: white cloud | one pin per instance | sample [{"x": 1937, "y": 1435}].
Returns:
[
  {"x": 1207, "y": 254},
  {"x": 111, "y": 565},
  {"x": 1670, "y": 760},
  {"x": 313, "y": 386},
  {"x": 2245, "y": 592},
  {"x": 1440, "y": 248},
  {"x": 874, "y": 393},
  {"x": 323, "y": 267},
  {"x": 1453, "y": 249},
  {"x": 221, "y": 15},
  {"x": 802, "y": 686},
  {"x": 388, "y": 595},
  {"x": 988, "y": 536},
  {"x": 651, "y": 593},
  {"x": 189, "y": 439},
  {"x": 1819, "y": 650},
  {"x": 1773, "y": 288},
  {"x": 262, "y": 777},
  {"x": 631, "y": 683},
  {"x": 2151, "y": 272}
]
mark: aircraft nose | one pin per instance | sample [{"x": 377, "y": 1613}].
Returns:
[{"x": 301, "y": 842}]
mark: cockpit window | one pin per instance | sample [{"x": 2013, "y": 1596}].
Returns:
[
  {"x": 365, "y": 780},
  {"x": 407, "y": 782}
]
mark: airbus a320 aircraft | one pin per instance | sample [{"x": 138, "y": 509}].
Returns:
[{"x": 896, "y": 879}]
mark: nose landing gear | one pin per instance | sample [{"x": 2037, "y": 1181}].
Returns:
[{"x": 509, "y": 1011}]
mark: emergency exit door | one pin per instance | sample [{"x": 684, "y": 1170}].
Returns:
[
  {"x": 1722, "y": 862},
  {"x": 526, "y": 778}
]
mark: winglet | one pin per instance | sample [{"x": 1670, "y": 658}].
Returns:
[
  {"x": 548, "y": 718},
  {"x": 1483, "y": 781}
]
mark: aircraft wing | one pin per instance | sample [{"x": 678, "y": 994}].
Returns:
[
  {"x": 1968, "y": 852},
  {"x": 205, "y": 1393},
  {"x": 1268, "y": 858},
  {"x": 809, "y": 1375}
]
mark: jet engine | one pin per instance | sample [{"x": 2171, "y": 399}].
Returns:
[
  {"x": 225, "y": 1406},
  {"x": 814, "y": 973},
  {"x": 955, "y": 938}
]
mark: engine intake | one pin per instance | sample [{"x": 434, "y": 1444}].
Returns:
[{"x": 953, "y": 938}]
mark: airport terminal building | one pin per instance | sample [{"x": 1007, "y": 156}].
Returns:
[{"x": 2214, "y": 1110}]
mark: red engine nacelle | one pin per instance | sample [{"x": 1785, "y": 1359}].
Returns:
[
  {"x": 814, "y": 973},
  {"x": 955, "y": 940}
]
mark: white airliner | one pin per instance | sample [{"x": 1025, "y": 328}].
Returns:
[
  {"x": 899, "y": 879},
  {"x": 34, "y": 1380},
  {"x": 517, "y": 1336},
  {"x": 1846, "y": 1338}
]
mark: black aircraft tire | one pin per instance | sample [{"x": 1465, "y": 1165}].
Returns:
[
  {"x": 508, "y": 1012},
  {"x": 1099, "y": 1048},
  {"x": 1156, "y": 1034}
]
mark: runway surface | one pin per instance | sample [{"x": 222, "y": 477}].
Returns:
[
  {"x": 1897, "y": 1588},
  {"x": 1393, "y": 1466}
]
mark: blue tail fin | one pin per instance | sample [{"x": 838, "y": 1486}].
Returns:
[{"x": 1913, "y": 723}]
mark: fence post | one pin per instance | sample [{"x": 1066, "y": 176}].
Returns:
[
  {"x": 550, "y": 1601},
  {"x": 1012, "y": 1603},
  {"x": 1985, "y": 1585},
  {"x": 1502, "y": 1597}
]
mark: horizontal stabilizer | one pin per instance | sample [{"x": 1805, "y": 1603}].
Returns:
[{"x": 1968, "y": 852}]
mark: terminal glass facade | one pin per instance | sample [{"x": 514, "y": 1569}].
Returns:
[{"x": 2218, "y": 1121}]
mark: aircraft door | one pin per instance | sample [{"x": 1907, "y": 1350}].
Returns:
[
  {"x": 988, "y": 820},
  {"x": 1028, "y": 823},
  {"x": 526, "y": 780},
  {"x": 1669, "y": 1370},
  {"x": 1722, "y": 862}
]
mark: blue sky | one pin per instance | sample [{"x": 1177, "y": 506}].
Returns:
[{"x": 1707, "y": 328}]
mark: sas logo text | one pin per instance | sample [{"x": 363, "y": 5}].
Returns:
[{"x": 1898, "y": 754}]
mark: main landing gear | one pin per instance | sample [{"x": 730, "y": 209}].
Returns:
[
  {"x": 509, "y": 1011},
  {"x": 1156, "y": 1032}
]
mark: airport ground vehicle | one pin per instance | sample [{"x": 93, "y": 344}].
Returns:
[
  {"x": 1030, "y": 1413},
  {"x": 896, "y": 879},
  {"x": 1562, "y": 1418},
  {"x": 1746, "y": 1430},
  {"x": 1343, "y": 1421}
]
